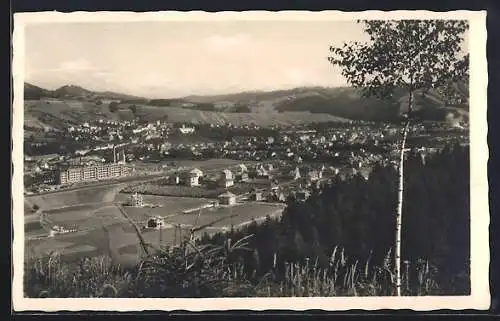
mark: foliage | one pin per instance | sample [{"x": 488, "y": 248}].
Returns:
[
  {"x": 358, "y": 215},
  {"x": 409, "y": 54},
  {"x": 415, "y": 55},
  {"x": 133, "y": 109},
  {"x": 240, "y": 109},
  {"x": 113, "y": 106},
  {"x": 160, "y": 102}
]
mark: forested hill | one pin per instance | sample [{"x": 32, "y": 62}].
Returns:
[
  {"x": 337, "y": 243},
  {"x": 358, "y": 216},
  {"x": 349, "y": 103},
  {"x": 342, "y": 102}
]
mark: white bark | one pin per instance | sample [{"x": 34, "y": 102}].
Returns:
[{"x": 399, "y": 214}]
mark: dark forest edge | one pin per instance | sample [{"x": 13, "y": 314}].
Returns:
[{"x": 336, "y": 243}]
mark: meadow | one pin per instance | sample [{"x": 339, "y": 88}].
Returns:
[
  {"x": 102, "y": 230},
  {"x": 38, "y": 115},
  {"x": 166, "y": 205},
  {"x": 67, "y": 199},
  {"x": 161, "y": 189},
  {"x": 228, "y": 215}
]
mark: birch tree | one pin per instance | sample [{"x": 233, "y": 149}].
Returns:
[{"x": 413, "y": 56}]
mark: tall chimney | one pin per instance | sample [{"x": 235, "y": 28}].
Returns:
[
  {"x": 114, "y": 154},
  {"x": 123, "y": 154}
]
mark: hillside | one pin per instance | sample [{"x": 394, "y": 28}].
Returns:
[
  {"x": 57, "y": 114},
  {"x": 75, "y": 104},
  {"x": 348, "y": 103},
  {"x": 345, "y": 102},
  {"x": 32, "y": 92}
]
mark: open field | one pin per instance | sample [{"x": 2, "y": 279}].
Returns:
[
  {"x": 106, "y": 241},
  {"x": 90, "y": 217},
  {"x": 93, "y": 195},
  {"x": 167, "y": 205},
  {"x": 103, "y": 230},
  {"x": 231, "y": 215},
  {"x": 193, "y": 192}
]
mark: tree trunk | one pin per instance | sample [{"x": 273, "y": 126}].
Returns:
[{"x": 399, "y": 214}]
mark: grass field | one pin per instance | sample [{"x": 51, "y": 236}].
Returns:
[
  {"x": 103, "y": 230},
  {"x": 244, "y": 212},
  {"x": 93, "y": 195},
  {"x": 169, "y": 206},
  {"x": 88, "y": 217},
  {"x": 194, "y": 191}
]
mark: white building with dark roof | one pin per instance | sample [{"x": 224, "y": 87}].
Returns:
[
  {"x": 226, "y": 178},
  {"x": 193, "y": 177}
]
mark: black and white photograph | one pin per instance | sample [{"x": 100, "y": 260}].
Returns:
[{"x": 267, "y": 160}]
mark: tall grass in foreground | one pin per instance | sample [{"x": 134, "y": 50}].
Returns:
[{"x": 209, "y": 271}]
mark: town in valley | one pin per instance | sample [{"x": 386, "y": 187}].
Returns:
[
  {"x": 258, "y": 159},
  {"x": 172, "y": 177}
]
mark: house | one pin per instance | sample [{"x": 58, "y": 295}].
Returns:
[
  {"x": 242, "y": 175},
  {"x": 193, "y": 177},
  {"x": 295, "y": 173},
  {"x": 256, "y": 196},
  {"x": 313, "y": 176},
  {"x": 227, "y": 198},
  {"x": 226, "y": 178},
  {"x": 347, "y": 173},
  {"x": 268, "y": 167},
  {"x": 136, "y": 200},
  {"x": 263, "y": 172},
  {"x": 302, "y": 195},
  {"x": 281, "y": 197},
  {"x": 365, "y": 172},
  {"x": 242, "y": 168},
  {"x": 186, "y": 130}
]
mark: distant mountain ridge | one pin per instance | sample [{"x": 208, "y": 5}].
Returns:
[
  {"x": 32, "y": 92},
  {"x": 342, "y": 102}
]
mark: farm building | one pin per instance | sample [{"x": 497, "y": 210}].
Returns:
[
  {"x": 226, "y": 178},
  {"x": 227, "y": 198}
]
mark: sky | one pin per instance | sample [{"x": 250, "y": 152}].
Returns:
[{"x": 165, "y": 59}]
